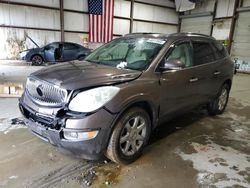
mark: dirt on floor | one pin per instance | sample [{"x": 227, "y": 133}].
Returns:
[{"x": 195, "y": 150}]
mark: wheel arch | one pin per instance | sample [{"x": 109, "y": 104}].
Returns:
[
  {"x": 228, "y": 82},
  {"x": 144, "y": 104}
]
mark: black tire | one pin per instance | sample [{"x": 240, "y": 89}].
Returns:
[
  {"x": 116, "y": 150},
  {"x": 218, "y": 105},
  {"x": 37, "y": 60}
]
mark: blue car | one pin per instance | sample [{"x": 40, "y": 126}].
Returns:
[{"x": 55, "y": 52}]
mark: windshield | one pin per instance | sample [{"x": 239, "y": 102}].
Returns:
[{"x": 127, "y": 53}]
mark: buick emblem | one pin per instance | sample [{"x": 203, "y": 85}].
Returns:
[{"x": 39, "y": 91}]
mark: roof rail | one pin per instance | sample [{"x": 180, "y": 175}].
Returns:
[
  {"x": 183, "y": 34},
  {"x": 191, "y": 34},
  {"x": 143, "y": 33}
]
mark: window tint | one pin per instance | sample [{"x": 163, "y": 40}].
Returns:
[
  {"x": 202, "y": 53},
  {"x": 220, "y": 51},
  {"x": 183, "y": 53},
  {"x": 68, "y": 46},
  {"x": 51, "y": 46}
]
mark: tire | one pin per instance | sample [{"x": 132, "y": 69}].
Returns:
[
  {"x": 130, "y": 135},
  {"x": 37, "y": 60},
  {"x": 218, "y": 105}
]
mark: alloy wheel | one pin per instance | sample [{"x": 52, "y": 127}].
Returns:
[
  {"x": 37, "y": 60},
  {"x": 133, "y": 135},
  {"x": 222, "y": 99}
]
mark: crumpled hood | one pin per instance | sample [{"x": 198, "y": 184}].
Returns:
[{"x": 82, "y": 74}]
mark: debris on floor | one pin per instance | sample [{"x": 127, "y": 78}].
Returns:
[
  {"x": 17, "y": 121},
  {"x": 87, "y": 177},
  {"x": 7, "y": 125}
]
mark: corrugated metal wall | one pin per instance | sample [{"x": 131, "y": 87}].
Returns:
[
  {"x": 220, "y": 25},
  {"x": 14, "y": 40},
  {"x": 157, "y": 15},
  {"x": 193, "y": 21},
  {"x": 241, "y": 44},
  {"x": 42, "y": 23},
  {"x": 197, "y": 25},
  {"x": 222, "y": 21}
]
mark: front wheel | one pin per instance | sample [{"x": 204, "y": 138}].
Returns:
[
  {"x": 130, "y": 135},
  {"x": 218, "y": 105},
  {"x": 37, "y": 60}
]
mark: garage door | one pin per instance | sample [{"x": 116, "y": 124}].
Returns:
[
  {"x": 241, "y": 44},
  {"x": 197, "y": 25}
]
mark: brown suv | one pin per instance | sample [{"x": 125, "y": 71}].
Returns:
[{"x": 110, "y": 103}]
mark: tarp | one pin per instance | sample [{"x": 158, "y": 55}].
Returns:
[{"x": 184, "y": 5}]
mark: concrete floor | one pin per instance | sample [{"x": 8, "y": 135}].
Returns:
[
  {"x": 16, "y": 73},
  {"x": 195, "y": 150}
]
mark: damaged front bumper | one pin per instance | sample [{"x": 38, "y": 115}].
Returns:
[{"x": 85, "y": 136}]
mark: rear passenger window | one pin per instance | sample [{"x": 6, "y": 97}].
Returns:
[
  {"x": 68, "y": 46},
  {"x": 220, "y": 51},
  {"x": 202, "y": 53}
]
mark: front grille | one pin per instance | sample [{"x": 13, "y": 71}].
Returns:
[
  {"x": 45, "y": 93},
  {"x": 42, "y": 120}
]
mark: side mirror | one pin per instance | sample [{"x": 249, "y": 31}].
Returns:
[{"x": 172, "y": 64}]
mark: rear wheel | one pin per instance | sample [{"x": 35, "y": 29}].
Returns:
[
  {"x": 129, "y": 136},
  {"x": 37, "y": 60},
  {"x": 218, "y": 105}
]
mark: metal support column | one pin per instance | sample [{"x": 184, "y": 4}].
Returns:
[
  {"x": 232, "y": 28},
  {"x": 61, "y": 20},
  {"x": 214, "y": 15},
  {"x": 131, "y": 16}
]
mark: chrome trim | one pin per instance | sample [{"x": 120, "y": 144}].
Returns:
[{"x": 52, "y": 95}]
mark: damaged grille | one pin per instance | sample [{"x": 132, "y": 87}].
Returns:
[{"x": 45, "y": 93}]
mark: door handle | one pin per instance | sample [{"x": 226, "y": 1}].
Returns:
[
  {"x": 217, "y": 72},
  {"x": 193, "y": 80}
]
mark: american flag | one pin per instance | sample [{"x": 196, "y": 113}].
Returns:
[{"x": 101, "y": 17}]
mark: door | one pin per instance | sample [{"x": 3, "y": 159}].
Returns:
[
  {"x": 241, "y": 41},
  {"x": 49, "y": 52},
  {"x": 207, "y": 69},
  {"x": 197, "y": 24},
  {"x": 70, "y": 51},
  {"x": 179, "y": 87}
]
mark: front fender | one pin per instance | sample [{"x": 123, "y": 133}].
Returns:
[{"x": 136, "y": 92}]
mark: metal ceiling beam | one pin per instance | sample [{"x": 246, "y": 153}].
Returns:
[
  {"x": 156, "y": 22},
  {"x": 152, "y": 4},
  {"x": 32, "y": 28},
  {"x": 195, "y": 15},
  {"x": 28, "y": 5},
  {"x": 243, "y": 9}
]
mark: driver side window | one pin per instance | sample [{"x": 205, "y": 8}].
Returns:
[
  {"x": 51, "y": 46},
  {"x": 183, "y": 53}
]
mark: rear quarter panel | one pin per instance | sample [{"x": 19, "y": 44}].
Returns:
[{"x": 226, "y": 67}]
